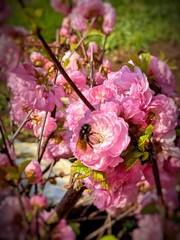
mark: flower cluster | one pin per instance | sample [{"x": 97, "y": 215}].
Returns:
[{"x": 130, "y": 125}]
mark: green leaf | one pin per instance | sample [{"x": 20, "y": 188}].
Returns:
[
  {"x": 109, "y": 237},
  {"x": 94, "y": 32},
  {"x": 66, "y": 62},
  {"x": 84, "y": 172},
  {"x": 131, "y": 162},
  {"x": 101, "y": 178},
  {"x": 22, "y": 166},
  {"x": 145, "y": 156},
  {"x": 136, "y": 60},
  {"x": 148, "y": 131},
  {"x": 12, "y": 172},
  {"x": 75, "y": 227},
  {"x": 145, "y": 60},
  {"x": 131, "y": 156},
  {"x": 78, "y": 167},
  {"x": 144, "y": 139}
]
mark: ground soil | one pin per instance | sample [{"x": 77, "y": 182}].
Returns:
[{"x": 171, "y": 50}]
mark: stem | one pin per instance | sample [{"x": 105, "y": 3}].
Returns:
[
  {"x": 20, "y": 127},
  {"x": 158, "y": 187},
  {"x": 50, "y": 169},
  {"x": 103, "y": 51},
  {"x": 91, "y": 70},
  {"x": 41, "y": 134},
  {"x": 6, "y": 147},
  {"x": 22, "y": 207},
  {"x": 82, "y": 38},
  {"x": 156, "y": 173},
  {"x": 63, "y": 72},
  {"x": 67, "y": 203}
]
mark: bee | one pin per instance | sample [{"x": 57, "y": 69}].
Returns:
[{"x": 84, "y": 135}]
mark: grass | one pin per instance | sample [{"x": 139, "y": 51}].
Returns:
[
  {"x": 139, "y": 22},
  {"x": 142, "y": 22}
]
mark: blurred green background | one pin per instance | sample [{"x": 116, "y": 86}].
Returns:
[{"x": 139, "y": 23}]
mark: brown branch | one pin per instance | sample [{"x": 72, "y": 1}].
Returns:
[
  {"x": 63, "y": 72},
  {"x": 68, "y": 202}
]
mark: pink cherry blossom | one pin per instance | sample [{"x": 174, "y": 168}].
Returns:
[
  {"x": 11, "y": 220},
  {"x": 10, "y": 55},
  {"x": 77, "y": 77},
  {"x": 84, "y": 12},
  {"x": 38, "y": 119},
  {"x": 33, "y": 172},
  {"x": 92, "y": 49},
  {"x": 35, "y": 94},
  {"x": 149, "y": 227},
  {"x": 78, "y": 22},
  {"x": 60, "y": 6},
  {"x": 63, "y": 231},
  {"x": 165, "y": 114},
  {"x": 122, "y": 188},
  {"x": 100, "y": 94},
  {"x": 168, "y": 176},
  {"x": 109, "y": 18},
  {"x": 109, "y": 138},
  {"x": 75, "y": 112},
  {"x": 73, "y": 61},
  {"x": 58, "y": 146},
  {"x": 19, "y": 111},
  {"x": 4, "y": 160},
  {"x": 99, "y": 78},
  {"x": 162, "y": 74},
  {"x": 132, "y": 91},
  {"x": 107, "y": 66},
  {"x": 38, "y": 201}
]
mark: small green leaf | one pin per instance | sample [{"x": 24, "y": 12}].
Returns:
[
  {"x": 12, "y": 172},
  {"x": 75, "y": 227},
  {"x": 131, "y": 156},
  {"x": 84, "y": 172},
  {"x": 22, "y": 166},
  {"x": 78, "y": 167},
  {"x": 109, "y": 237},
  {"x": 101, "y": 178},
  {"x": 131, "y": 162},
  {"x": 145, "y": 156},
  {"x": 94, "y": 32},
  {"x": 66, "y": 62},
  {"x": 148, "y": 131},
  {"x": 144, "y": 139}
]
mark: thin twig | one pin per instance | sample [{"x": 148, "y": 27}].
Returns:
[
  {"x": 22, "y": 207},
  {"x": 20, "y": 127},
  {"x": 50, "y": 170},
  {"x": 63, "y": 72},
  {"x": 96, "y": 232},
  {"x": 91, "y": 69},
  {"x": 82, "y": 38},
  {"x": 103, "y": 51},
  {"x": 6, "y": 147},
  {"x": 41, "y": 135}
]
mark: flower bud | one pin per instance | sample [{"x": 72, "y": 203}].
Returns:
[
  {"x": 38, "y": 201},
  {"x": 33, "y": 172}
]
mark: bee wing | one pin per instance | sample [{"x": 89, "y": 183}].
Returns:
[{"x": 82, "y": 144}]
